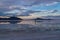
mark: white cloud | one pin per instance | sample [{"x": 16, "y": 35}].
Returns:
[
  {"x": 53, "y": 3},
  {"x": 17, "y": 6},
  {"x": 15, "y": 12}
]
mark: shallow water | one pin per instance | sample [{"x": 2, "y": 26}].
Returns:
[{"x": 30, "y": 30}]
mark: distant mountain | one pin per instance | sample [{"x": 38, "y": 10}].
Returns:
[
  {"x": 52, "y": 17},
  {"x": 11, "y": 18}
]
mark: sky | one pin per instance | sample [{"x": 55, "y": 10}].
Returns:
[{"x": 31, "y": 8}]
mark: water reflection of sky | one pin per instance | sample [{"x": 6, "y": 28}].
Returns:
[{"x": 42, "y": 24}]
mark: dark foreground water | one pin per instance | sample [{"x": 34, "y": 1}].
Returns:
[{"x": 30, "y": 30}]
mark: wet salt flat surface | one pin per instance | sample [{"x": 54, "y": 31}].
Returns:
[
  {"x": 30, "y": 30},
  {"x": 52, "y": 35}
]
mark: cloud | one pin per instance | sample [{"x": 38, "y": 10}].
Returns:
[
  {"x": 17, "y": 7},
  {"x": 54, "y": 11},
  {"x": 17, "y": 12},
  {"x": 26, "y": 2},
  {"x": 47, "y": 2},
  {"x": 46, "y": 13},
  {"x": 1, "y": 14},
  {"x": 13, "y": 12},
  {"x": 54, "y": 3},
  {"x": 27, "y": 13},
  {"x": 24, "y": 5},
  {"x": 32, "y": 13},
  {"x": 7, "y": 3}
]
